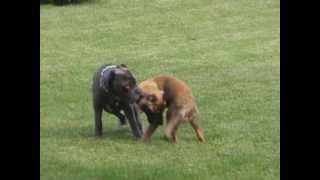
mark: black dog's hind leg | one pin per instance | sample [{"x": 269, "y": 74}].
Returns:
[{"x": 98, "y": 121}]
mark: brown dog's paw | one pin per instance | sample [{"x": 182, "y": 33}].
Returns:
[
  {"x": 169, "y": 139},
  {"x": 145, "y": 140},
  {"x": 174, "y": 141}
]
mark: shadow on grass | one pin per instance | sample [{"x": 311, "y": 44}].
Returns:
[
  {"x": 120, "y": 135},
  {"x": 71, "y": 169},
  {"x": 113, "y": 133}
]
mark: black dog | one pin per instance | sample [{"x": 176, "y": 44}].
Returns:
[{"x": 114, "y": 90}]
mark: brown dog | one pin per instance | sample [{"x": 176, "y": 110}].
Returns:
[{"x": 163, "y": 92}]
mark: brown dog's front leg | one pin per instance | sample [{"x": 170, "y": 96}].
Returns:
[
  {"x": 152, "y": 127},
  {"x": 171, "y": 130}
]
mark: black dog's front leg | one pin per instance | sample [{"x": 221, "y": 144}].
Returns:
[
  {"x": 137, "y": 114},
  {"x": 131, "y": 111},
  {"x": 98, "y": 121}
]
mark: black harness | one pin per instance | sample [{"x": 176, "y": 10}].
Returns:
[{"x": 105, "y": 73}]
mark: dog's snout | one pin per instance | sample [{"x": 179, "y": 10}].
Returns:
[{"x": 140, "y": 96}]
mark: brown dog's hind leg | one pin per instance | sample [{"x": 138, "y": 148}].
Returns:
[{"x": 194, "y": 123}]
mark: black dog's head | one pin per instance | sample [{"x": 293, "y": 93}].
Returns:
[
  {"x": 153, "y": 117},
  {"x": 123, "y": 84}
]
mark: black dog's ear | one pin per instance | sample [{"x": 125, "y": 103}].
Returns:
[
  {"x": 123, "y": 65},
  {"x": 110, "y": 79}
]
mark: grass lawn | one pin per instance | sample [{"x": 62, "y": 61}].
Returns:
[{"x": 226, "y": 50}]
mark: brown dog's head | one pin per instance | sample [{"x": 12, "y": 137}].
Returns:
[{"x": 152, "y": 100}]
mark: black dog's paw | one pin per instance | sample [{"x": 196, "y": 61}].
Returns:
[
  {"x": 137, "y": 138},
  {"x": 123, "y": 121}
]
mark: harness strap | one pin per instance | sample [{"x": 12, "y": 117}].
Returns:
[{"x": 107, "y": 68}]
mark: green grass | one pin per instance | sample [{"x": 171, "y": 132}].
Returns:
[{"x": 226, "y": 50}]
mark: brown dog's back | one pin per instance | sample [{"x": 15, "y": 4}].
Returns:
[
  {"x": 177, "y": 97},
  {"x": 176, "y": 91}
]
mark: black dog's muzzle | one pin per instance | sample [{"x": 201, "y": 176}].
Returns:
[{"x": 136, "y": 95}]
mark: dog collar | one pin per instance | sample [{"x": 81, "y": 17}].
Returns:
[{"x": 102, "y": 73}]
